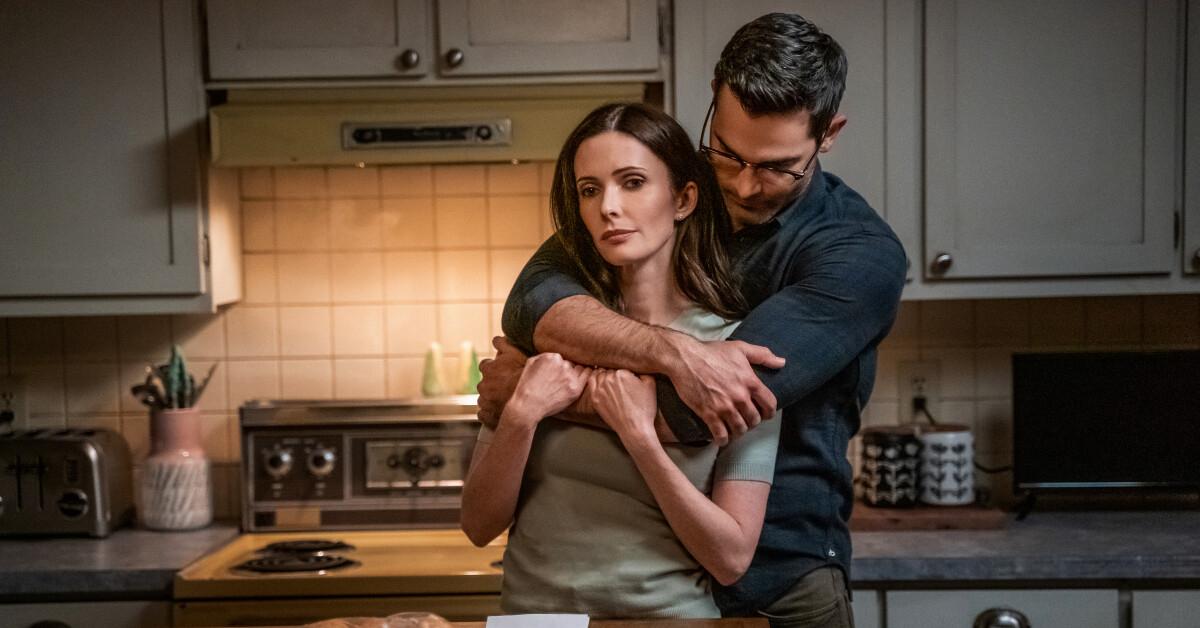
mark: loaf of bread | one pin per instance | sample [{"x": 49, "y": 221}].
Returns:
[{"x": 399, "y": 620}]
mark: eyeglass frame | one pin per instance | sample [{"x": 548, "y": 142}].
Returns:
[{"x": 708, "y": 151}]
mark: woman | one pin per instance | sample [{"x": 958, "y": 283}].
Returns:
[{"x": 617, "y": 524}]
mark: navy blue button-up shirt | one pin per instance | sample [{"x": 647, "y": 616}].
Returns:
[{"x": 823, "y": 278}]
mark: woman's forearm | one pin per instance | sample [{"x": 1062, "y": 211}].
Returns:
[
  {"x": 494, "y": 480},
  {"x": 722, "y": 537}
]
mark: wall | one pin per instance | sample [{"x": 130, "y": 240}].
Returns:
[{"x": 350, "y": 273}]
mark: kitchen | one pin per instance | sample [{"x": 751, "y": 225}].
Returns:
[{"x": 336, "y": 278}]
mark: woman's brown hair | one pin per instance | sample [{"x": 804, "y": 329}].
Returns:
[{"x": 699, "y": 261}]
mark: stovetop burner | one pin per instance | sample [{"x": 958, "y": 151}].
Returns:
[
  {"x": 296, "y": 563},
  {"x": 305, "y": 546}
]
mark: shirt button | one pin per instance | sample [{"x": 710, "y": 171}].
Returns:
[{"x": 832, "y": 553}]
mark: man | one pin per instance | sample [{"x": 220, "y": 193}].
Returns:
[{"x": 823, "y": 274}]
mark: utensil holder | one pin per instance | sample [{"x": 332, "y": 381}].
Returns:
[
  {"x": 947, "y": 465},
  {"x": 176, "y": 489}
]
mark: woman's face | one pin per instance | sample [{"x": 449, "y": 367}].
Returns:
[{"x": 626, "y": 199}]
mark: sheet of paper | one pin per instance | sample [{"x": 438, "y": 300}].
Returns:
[{"x": 537, "y": 621}]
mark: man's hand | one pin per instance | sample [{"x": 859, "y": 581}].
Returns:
[
  {"x": 500, "y": 377},
  {"x": 717, "y": 381}
]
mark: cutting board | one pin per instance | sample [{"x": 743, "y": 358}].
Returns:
[{"x": 868, "y": 519}]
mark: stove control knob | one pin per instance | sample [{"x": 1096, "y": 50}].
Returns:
[
  {"x": 436, "y": 461},
  {"x": 278, "y": 462},
  {"x": 320, "y": 462}
]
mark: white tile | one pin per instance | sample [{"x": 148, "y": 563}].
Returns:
[
  {"x": 300, "y": 182},
  {"x": 304, "y": 277},
  {"x": 410, "y": 328},
  {"x": 1113, "y": 320},
  {"x": 947, "y": 324},
  {"x": 47, "y": 421},
  {"x": 880, "y": 412},
  {"x": 302, "y": 225},
  {"x": 235, "y": 443},
  {"x": 410, "y": 276},
  {"x": 200, "y": 335},
  {"x": 257, "y": 183},
  {"x": 33, "y": 340},
  {"x": 957, "y": 371},
  {"x": 956, "y": 413},
  {"x": 354, "y": 182},
  {"x": 514, "y": 221},
  {"x": 1056, "y": 322},
  {"x": 306, "y": 379},
  {"x": 544, "y": 218},
  {"x": 496, "y": 314},
  {"x": 359, "y": 378},
  {"x": 136, "y": 430},
  {"x": 1002, "y": 322},
  {"x": 253, "y": 331},
  {"x": 214, "y": 437},
  {"x": 46, "y": 383},
  {"x": 513, "y": 179},
  {"x": 461, "y": 221},
  {"x": 356, "y": 225},
  {"x": 993, "y": 372},
  {"x": 408, "y": 223},
  {"x": 90, "y": 338},
  {"x": 215, "y": 396},
  {"x": 358, "y": 330},
  {"x": 993, "y": 426},
  {"x": 404, "y": 377},
  {"x": 357, "y": 277},
  {"x": 464, "y": 321},
  {"x": 144, "y": 337},
  {"x": 887, "y": 387},
  {"x": 258, "y": 226},
  {"x": 1170, "y": 320},
  {"x": 305, "y": 330},
  {"x": 260, "y": 280},
  {"x": 506, "y": 264},
  {"x": 462, "y": 275},
  {"x": 96, "y": 422},
  {"x": 252, "y": 379},
  {"x": 545, "y": 176},
  {"x": 93, "y": 388},
  {"x": 906, "y": 330},
  {"x": 407, "y": 180},
  {"x": 459, "y": 180}
]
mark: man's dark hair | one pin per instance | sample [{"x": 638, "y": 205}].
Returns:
[{"x": 780, "y": 63}]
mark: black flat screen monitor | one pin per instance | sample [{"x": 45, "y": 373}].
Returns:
[{"x": 1106, "y": 420}]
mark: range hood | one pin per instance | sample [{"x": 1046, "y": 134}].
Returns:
[{"x": 283, "y": 127}]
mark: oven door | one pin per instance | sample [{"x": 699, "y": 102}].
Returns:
[{"x": 296, "y": 611}]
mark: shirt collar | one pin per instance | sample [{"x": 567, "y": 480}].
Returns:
[{"x": 813, "y": 197}]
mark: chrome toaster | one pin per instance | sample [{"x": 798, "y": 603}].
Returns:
[{"x": 64, "y": 482}]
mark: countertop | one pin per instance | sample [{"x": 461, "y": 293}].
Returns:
[
  {"x": 1077, "y": 548},
  {"x": 130, "y": 563}
]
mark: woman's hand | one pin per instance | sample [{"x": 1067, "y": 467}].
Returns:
[
  {"x": 548, "y": 385},
  {"x": 626, "y": 401}
]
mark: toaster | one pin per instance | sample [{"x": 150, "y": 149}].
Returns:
[{"x": 64, "y": 482}]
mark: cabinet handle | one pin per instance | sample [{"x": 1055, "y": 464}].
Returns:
[
  {"x": 1001, "y": 618},
  {"x": 408, "y": 59},
  {"x": 941, "y": 263},
  {"x": 454, "y": 57}
]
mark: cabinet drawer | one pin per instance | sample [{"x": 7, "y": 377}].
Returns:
[
  {"x": 80, "y": 614},
  {"x": 1165, "y": 609},
  {"x": 958, "y": 609}
]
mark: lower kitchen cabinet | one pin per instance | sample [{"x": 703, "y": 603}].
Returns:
[
  {"x": 81, "y": 614},
  {"x": 1166, "y": 609},
  {"x": 955, "y": 609},
  {"x": 866, "y": 609}
]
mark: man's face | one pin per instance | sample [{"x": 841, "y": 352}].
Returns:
[{"x": 781, "y": 140}]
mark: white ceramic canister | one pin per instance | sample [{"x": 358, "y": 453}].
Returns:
[{"x": 947, "y": 465}]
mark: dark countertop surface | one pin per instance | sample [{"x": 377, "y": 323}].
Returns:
[
  {"x": 1047, "y": 549},
  {"x": 131, "y": 563}
]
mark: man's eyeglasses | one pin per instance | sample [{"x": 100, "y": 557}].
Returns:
[{"x": 732, "y": 164}]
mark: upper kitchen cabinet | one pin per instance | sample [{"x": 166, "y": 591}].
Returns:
[
  {"x": 102, "y": 198},
  {"x": 268, "y": 39},
  {"x": 1051, "y": 135},
  {"x": 374, "y": 40},
  {"x": 1191, "y": 179}
]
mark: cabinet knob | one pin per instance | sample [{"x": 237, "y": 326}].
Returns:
[
  {"x": 454, "y": 57},
  {"x": 408, "y": 59},
  {"x": 941, "y": 263},
  {"x": 1001, "y": 618}
]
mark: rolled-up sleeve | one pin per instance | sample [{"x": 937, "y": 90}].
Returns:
[{"x": 547, "y": 278}]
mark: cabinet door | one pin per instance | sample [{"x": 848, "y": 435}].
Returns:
[
  {"x": 492, "y": 37},
  {"x": 99, "y": 109},
  {"x": 703, "y": 28},
  {"x": 107, "y": 614},
  {"x": 1050, "y": 134},
  {"x": 266, "y": 39},
  {"x": 1191, "y": 149},
  {"x": 1165, "y": 609},
  {"x": 957, "y": 609}
]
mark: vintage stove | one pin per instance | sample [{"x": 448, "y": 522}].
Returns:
[{"x": 349, "y": 509}]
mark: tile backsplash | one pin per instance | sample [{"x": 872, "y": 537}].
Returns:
[{"x": 351, "y": 272}]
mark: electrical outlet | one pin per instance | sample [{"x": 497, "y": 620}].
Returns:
[
  {"x": 919, "y": 379},
  {"x": 14, "y": 395}
]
